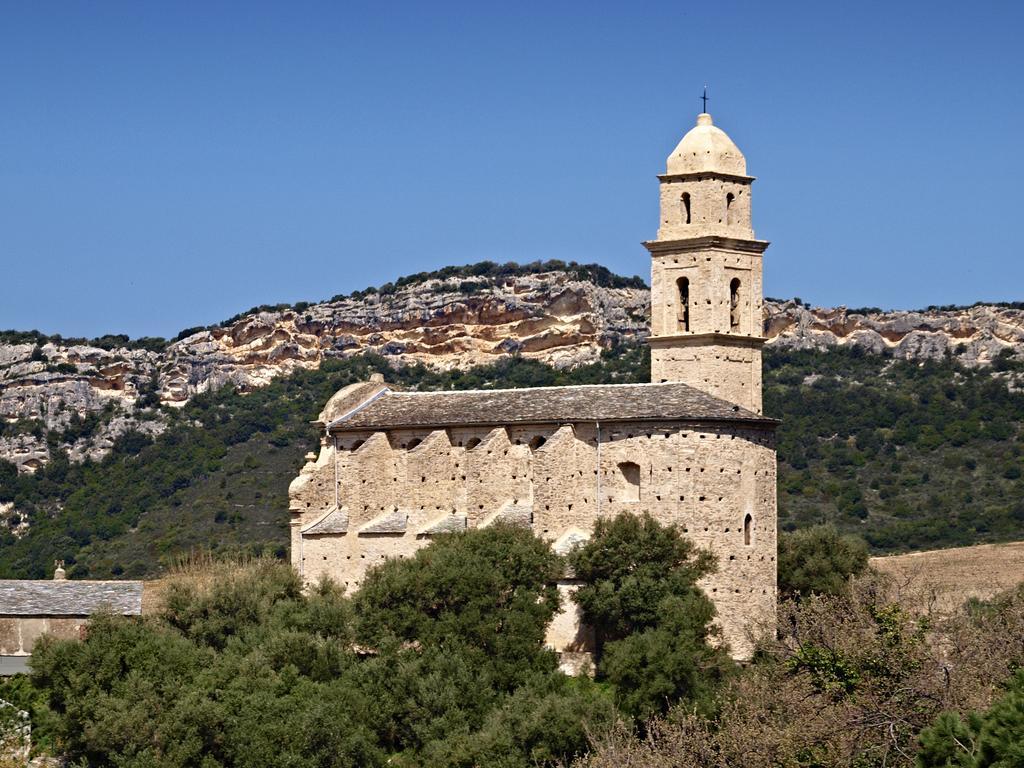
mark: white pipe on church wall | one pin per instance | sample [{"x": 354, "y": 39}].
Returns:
[{"x": 597, "y": 424}]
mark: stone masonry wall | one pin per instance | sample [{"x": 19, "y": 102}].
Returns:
[
  {"x": 378, "y": 495},
  {"x": 727, "y": 369},
  {"x": 710, "y": 208},
  {"x": 19, "y": 634}
]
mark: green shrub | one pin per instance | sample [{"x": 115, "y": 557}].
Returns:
[
  {"x": 992, "y": 739},
  {"x": 819, "y": 559},
  {"x": 651, "y": 621}
]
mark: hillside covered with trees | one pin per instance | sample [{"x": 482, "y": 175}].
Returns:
[{"x": 907, "y": 455}]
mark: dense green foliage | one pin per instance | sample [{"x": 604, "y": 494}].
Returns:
[
  {"x": 907, "y": 455},
  {"x": 437, "y": 660},
  {"x": 992, "y": 739},
  {"x": 490, "y": 594},
  {"x": 818, "y": 560},
  {"x": 650, "y": 619}
]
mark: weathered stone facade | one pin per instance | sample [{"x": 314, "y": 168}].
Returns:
[{"x": 691, "y": 448}]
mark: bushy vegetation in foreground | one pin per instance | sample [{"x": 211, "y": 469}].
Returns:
[
  {"x": 437, "y": 660},
  {"x": 853, "y": 680}
]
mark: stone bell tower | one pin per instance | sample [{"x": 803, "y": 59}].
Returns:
[{"x": 706, "y": 289}]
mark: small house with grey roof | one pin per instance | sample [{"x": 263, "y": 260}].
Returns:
[
  {"x": 691, "y": 448},
  {"x": 30, "y": 608}
]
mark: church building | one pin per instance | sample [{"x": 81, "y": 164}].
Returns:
[{"x": 691, "y": 448}]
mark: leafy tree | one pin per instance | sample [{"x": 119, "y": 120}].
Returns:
[
  {"x": 542, "y": 723},
  {"x": 651, "y": 620},
  {"x": 488, "y": 592},
  {"x": 440, "y": 662},
  {"x": 819, "y": 559},
  {"x": 8, "y": 478}
]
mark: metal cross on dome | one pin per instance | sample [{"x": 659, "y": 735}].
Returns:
[{"x": 704, "y": 98}]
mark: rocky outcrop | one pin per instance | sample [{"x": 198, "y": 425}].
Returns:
[
  {"x": 552, "y": 317},
  {"x": 549, "y": 317},
  {"x": 974, "y": 335}
]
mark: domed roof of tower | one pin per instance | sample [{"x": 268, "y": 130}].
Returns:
[{"x": 707, "y": 148}]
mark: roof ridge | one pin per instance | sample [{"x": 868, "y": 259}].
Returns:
[{"x": 554, "y": 386}]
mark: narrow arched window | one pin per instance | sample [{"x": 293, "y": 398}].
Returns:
[
  {"x": 683, "y": 287},
  {"x": 686, "y": 207},
  {"x": 748, "y": 524},
  {"x": 734, "y": 303},
  {"x": 630, "y": 474},
  {"x": 729, "y": 199}
]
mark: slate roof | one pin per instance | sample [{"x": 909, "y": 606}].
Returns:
[
  {"x": 23, "y": 597},
  {"x": 670, "y": 401}
]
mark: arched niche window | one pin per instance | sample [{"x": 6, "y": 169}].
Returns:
[
  {"x": 537, "y": 441},
  {"x": 748, "y": 525},
  {"x": 685, "y": 207},
  {"x": 472, "y": 443},
  {"x": 630, "y": 477},
  {"x": 413, "y": 443},
  {"x": 734, "y": 303},
  {"x": 683, "y": 288},
  {"x": 729, "y": 214},
  {"x": 356, "y": 445}
]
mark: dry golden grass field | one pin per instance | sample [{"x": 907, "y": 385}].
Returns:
[{"x": 943, "y": 579}]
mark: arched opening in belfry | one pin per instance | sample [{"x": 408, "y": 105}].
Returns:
[
  {"x": 683, "y": 288},
  {"x": 748, "y": 524},
  {"x": 729, "y": 199},
  {"x": 734, "y": 303},
  {"x": 630, "y": 473},
  {"x": 686, "y": 207}
]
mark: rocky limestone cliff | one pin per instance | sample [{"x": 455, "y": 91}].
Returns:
[
  {"x": 552, "y": 317},
  {"x": 972, "y": 335}
]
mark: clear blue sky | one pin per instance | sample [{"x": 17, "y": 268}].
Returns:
[{"x": 164, "y": 165}]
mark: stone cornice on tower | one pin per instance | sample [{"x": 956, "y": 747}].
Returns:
[
  {"x": 718, "y": 338},
  {"x": 704, "y": 243},
  {"x": 702, "y": 175}
]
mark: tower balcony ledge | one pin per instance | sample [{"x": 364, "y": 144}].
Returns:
[
  {"x": 686, "y": 339},
  {"x": 706, "y": 242},
  {"x": 702, "y": 175}
]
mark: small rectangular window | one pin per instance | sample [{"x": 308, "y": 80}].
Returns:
[{"x": 630, "y": 478}]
